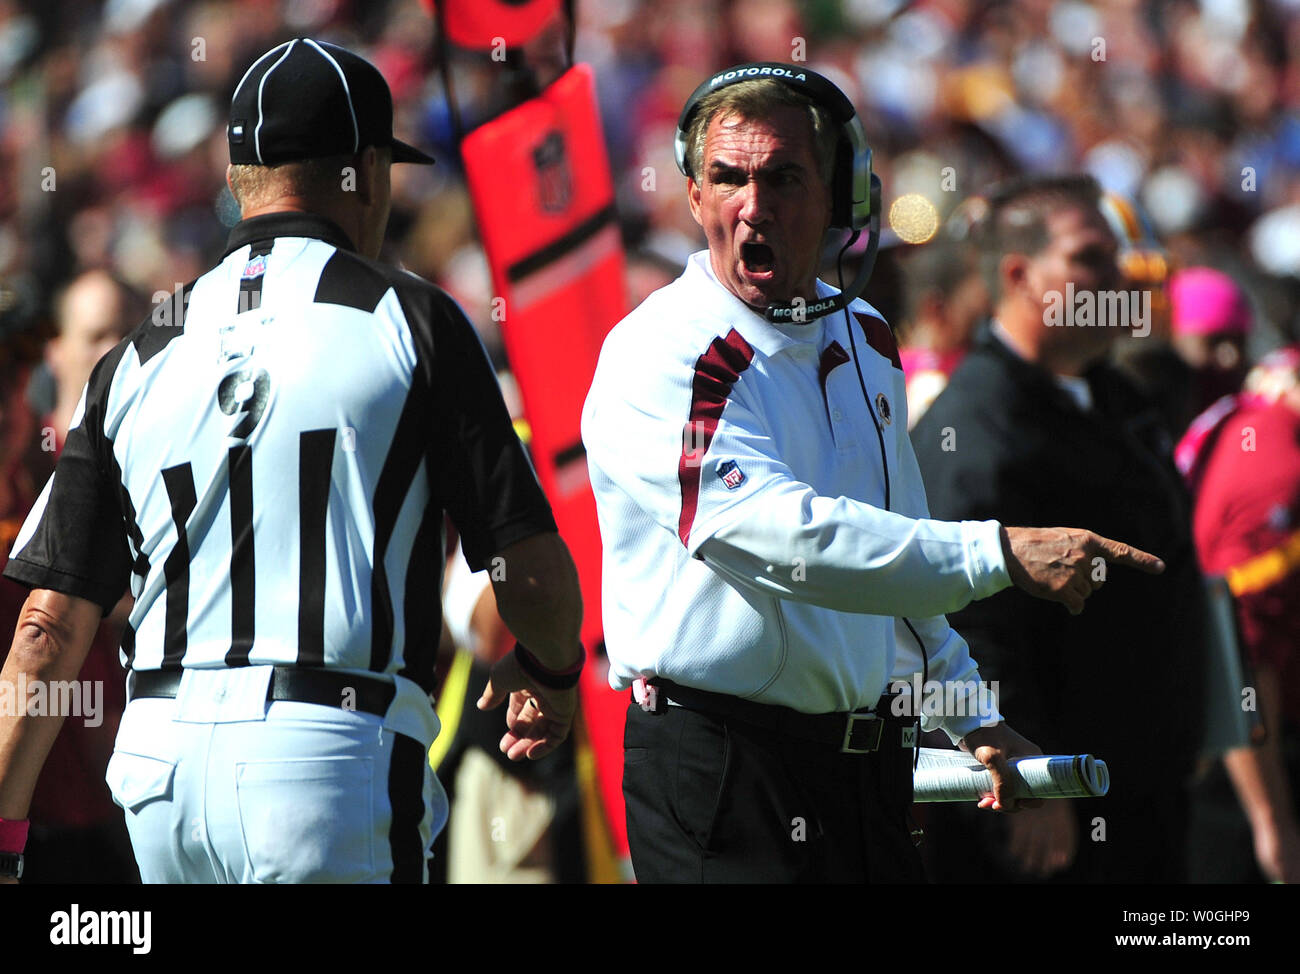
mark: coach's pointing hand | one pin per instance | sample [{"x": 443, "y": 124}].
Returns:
[{"x": 1061, "y": 564}]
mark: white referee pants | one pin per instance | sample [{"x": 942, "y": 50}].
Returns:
[{"x": 302, "y": 793}]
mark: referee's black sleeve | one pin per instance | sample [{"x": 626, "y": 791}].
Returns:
[
  {"x": 478, "y": 466},
  {"x": 77, "y": 544}
]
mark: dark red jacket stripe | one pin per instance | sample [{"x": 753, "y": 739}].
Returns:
[
  {"x": 716, "y": 372},
  {"x": 833, "y": 356},
  {"x": 880, "y": 337}
]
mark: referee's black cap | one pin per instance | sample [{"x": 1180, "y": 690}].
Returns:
[{"x": 305, "y": 99}]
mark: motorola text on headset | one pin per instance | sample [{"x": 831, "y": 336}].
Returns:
[
  {"x": 855, "y": 206},
  {"x": 855, "y": 189}
]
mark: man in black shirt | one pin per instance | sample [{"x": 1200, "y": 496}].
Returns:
[{"x": 1035, "y": 428}]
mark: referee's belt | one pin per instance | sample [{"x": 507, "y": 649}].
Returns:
[
  {"x": 859, "y": 732},
  {"x": 288, "y": 683}
]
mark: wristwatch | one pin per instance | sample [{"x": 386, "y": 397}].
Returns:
[{"x": 11, "y": 865}]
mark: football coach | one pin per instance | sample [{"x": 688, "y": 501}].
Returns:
[
  {"x": 267, "y": 467},
  {"x": 770, "y": 569}
]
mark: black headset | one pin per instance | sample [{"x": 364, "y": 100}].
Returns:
[{"x": 855, "y": 189}]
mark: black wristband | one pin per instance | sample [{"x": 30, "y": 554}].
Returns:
[
  {"x": 565, "y": 679},
  {"x": 11, "y": 865}
]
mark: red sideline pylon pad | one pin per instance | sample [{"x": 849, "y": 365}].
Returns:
[{"x": 540, "y": 183}]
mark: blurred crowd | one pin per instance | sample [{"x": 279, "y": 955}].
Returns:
[
  {"x": 112, "y": 116},
  {"x": 1187, "y": 112}
]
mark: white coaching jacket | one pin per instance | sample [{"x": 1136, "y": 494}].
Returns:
[{"x": 742, "y": 506}]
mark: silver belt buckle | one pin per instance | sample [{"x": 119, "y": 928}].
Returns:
[{"x": 873, "y": 734}]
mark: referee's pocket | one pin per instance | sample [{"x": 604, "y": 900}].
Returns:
[
  {"x": 308, "y": 821},
  {"x": 135, "y": 779}
]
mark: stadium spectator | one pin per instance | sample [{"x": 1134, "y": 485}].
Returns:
[
  {"x": 1211, "y": 319},
  {"x": 80, "y": 835},
  {"x": 1246, "y": 470},
  {"x": 945, "y": 301},
  {"x": 93, "y": 314},
  {"x": 1036, "y": 428}
]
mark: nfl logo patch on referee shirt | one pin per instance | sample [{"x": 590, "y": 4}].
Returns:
[
  {"x": 254, "y": 268},
  {"x": 731, "y": 474}
]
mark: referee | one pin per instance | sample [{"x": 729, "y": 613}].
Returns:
[{"x": 266, "y": 462}]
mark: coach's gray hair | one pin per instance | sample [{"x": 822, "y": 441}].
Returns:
[{"x": 756, "y": 100}]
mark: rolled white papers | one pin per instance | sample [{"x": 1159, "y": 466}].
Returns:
[{"x": 956, "y": 776}]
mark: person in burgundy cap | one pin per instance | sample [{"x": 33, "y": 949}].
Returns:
[{"x": 1211, "y": 319}]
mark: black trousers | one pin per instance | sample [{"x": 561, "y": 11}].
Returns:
[{"x": 711, "y": 799}]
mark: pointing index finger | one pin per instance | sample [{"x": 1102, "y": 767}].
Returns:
[{"x": 1125, "y": 554}]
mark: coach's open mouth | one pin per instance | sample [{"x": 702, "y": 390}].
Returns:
[{"x": 758, "y": 258}]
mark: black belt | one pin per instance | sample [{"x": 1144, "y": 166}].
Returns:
[
  {"x": 347, "y": 691},
  {"x": 859, "y": 732}
]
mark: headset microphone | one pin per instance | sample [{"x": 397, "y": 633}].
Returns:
[{"x": 801, "y": 311}]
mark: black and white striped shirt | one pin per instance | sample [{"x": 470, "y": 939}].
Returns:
[{"x": 267, "y": 463}]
